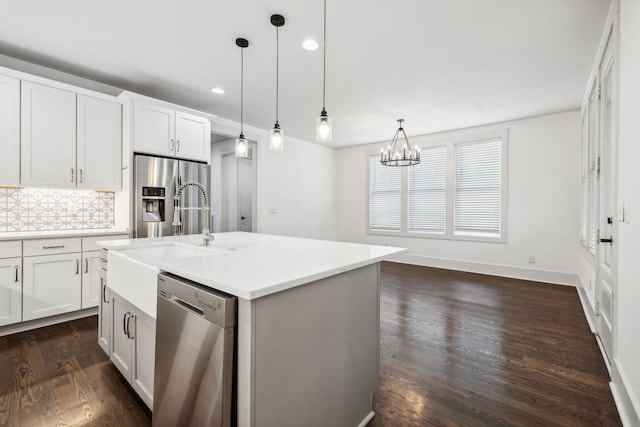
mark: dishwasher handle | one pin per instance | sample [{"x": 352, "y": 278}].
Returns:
[{"x": 187, "y": 306}]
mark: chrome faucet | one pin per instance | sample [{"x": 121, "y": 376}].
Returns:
[{"x": 177, "y": 224}]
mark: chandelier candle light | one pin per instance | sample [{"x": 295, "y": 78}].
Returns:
[
  {"x": 276, "y": 136},
  {"x": 242, "y": 145},
  {"x": 393, "y": 157}
]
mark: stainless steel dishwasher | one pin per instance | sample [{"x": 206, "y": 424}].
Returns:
[{"x": 195, "y": 335}]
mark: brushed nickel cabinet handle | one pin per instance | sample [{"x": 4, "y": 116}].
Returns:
[
  {"x": 178, "y": 146},
  {"x": 86, "y": 265},
  {"x": 104, "y": 291},
  {"x": 53, "y": 247},
  {"x": 124, "y": 323},
  {"x": 80, "y": 175},
  {"x": 73, "y": 175},
  {"x": 77, "y": 266},
  {"x": 172, "y": 145},
  {"x": 17, "y": 269},
  {"x": 129, "y": 334}
]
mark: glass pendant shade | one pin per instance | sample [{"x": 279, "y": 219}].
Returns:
[
  {"x": 242, "y": 147},
  {"x": 323, "y": 127},
  {"x": 276, "y": 138}
]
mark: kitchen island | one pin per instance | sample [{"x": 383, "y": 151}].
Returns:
[{"x": 307, "y": 318}]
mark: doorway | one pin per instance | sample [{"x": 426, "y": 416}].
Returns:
[{"x": 233, "y": 183}]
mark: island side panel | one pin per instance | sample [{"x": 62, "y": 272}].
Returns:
[
  {"x": 317, "y": 352},
  {"x": 245, "y": 363}
]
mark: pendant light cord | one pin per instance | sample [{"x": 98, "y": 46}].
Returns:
[
  {"x": 324, "y": 59},
  {"x": 277, "y": 70},
  {"x": 241, "y": 89}
]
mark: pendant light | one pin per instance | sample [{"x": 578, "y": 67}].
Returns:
[
  {"x": 276, "y": 136},
  {"x": 242, "y": 145},
  {"x": 323, "y": 124},
  {"x": 392, "y": 156}
]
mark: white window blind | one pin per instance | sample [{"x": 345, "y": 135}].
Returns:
[
  {"x": 477, "y": 188},
  {"x": 426, "y": 204},
  {"x": 384, "y": 196}
]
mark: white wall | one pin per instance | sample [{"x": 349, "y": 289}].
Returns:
[
  {"x": 543, "y": 204},
  {"x": 296, "y": 187},
  {"x": 627, "y": 350}
]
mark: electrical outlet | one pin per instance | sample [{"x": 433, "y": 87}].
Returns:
[{"x": 531, "y": 259}]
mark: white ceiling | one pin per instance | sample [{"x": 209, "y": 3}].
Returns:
[{"x": 440, "y": 65}]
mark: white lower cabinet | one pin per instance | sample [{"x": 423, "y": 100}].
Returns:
[
  {"x": 133, "y": 344},
  {"x": 10, "y": 291},
  {"x": 91, "y": 290},
  {"x": 51, "y": 285},
  {"x": 104, "y": 312}
]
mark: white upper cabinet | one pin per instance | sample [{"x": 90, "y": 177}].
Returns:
[
  {"x": 153, "y": 129},
  {"x": 69, "y": 140},
  {"x": 193, "y": 136},
  {"x": 9, "y": 131},
  {"x": 99, "y": 145},
  {"x": 48, "y": 136},
  {"x": 164, "y": 131}
]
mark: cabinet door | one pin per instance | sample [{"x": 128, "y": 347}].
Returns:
[
  {"x": 91, "y": 291},
  {"x": 104, "y": 315},
  {"x": 10, "y": 291},
  {"x": 121, "y": 342},
  {"x": 193, "y": 137},
  {"x": 144, "y": 353},
  {"x": 9, "y": 131},
  {"x": 52, "y": 285},
  {"x": 48, "y": 137},
  {"x": 99, "y": 144},
  {"x": 153, "y": 129}
]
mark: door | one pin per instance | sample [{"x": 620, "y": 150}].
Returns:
[
  {"x": 99, "y": 128},
  {"x": 229, "y": 220},
  {"x": 10, "y": 291},
  {"x": 51, "y": 285},
  {"x": 144, "y": 352},
  {"x": 121, "y": 346},
  {"x": 193, "y": 137},
  {"x": 9, "y": 131},
  {"x": 607, "y": 186},
  {"x": 245, "y": 194},
  {"x": 193, "y": 221},
  {"x": 153, "y": 129},
  {"x": 48, "y": 137},
  {"x": 91, "y": 290},
  {"x": 104, "y": 315}
]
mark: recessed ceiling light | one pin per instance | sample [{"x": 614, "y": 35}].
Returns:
[
  {"x": 217, "y": 90},
  {"x": 310, "y": 44}
]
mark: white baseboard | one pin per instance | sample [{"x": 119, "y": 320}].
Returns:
[
  {"x": 366, "y": 419},
  {"x": 547, "y": 276},
  {"x": 627, "y": 403},
  {"x": 47, "y": 321}
]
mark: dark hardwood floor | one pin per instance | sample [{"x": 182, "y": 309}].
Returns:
[
  {"x": 457, "y": 349},
  {"x": 462, "y": 349}
]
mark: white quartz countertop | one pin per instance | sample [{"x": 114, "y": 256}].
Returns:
[
  {"x": 250, "y": 265},
  {"x": 26, "y": 235}
]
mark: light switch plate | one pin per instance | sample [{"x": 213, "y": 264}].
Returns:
[{"x": 620, "y": 211}]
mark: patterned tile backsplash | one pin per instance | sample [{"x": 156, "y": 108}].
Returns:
[{"x": 33, "y": 209}]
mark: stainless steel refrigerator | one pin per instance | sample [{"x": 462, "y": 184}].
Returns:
[{"x": 156, "y": 180}]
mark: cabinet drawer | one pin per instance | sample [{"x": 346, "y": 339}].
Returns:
[
  {"x": 90, "y": 243},
  {"x": 10, "y": 249},
  {"x": 52, "y": 246}
]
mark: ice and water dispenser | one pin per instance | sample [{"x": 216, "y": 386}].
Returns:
[{"x": 153, "y": 204}]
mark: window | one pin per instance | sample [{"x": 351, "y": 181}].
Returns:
[
  {"x": 478, "y": 188},
  {"x": 458, "y": 191},
  {"x": 384, "y": 196}
]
